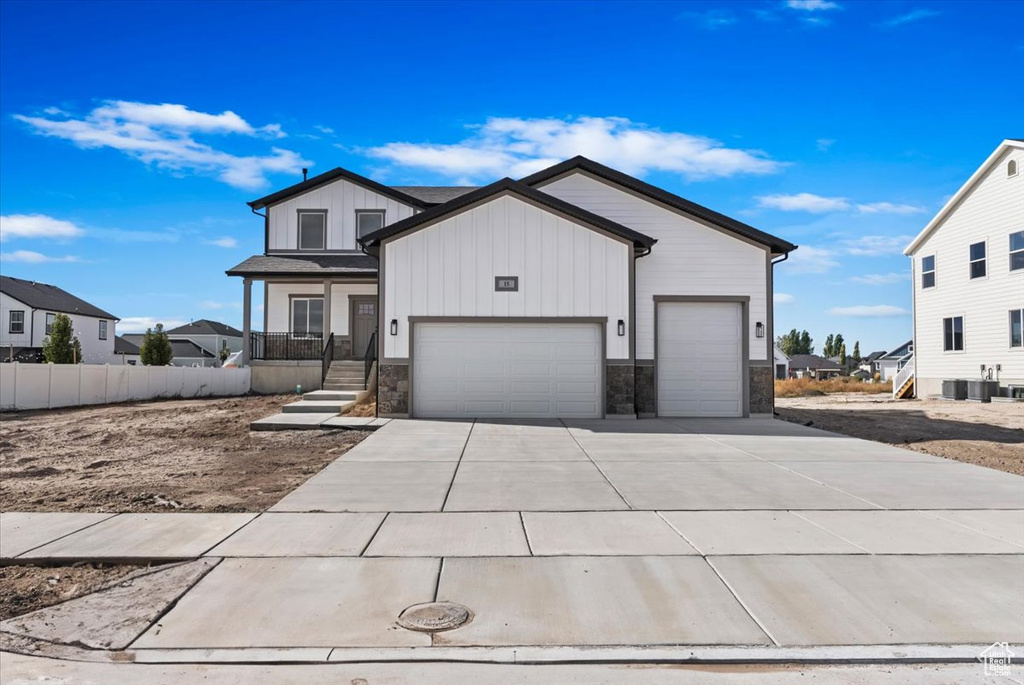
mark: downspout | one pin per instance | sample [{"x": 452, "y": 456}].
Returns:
[
  {"x": 380, "y": 343},
  {"x": 632, "y": 323}
]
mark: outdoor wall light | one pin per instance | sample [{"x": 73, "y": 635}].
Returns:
[
  {"x": 622, "y": 327},
  {"x": 394, "y": 326},
  {"x": 759, "y": 329}
]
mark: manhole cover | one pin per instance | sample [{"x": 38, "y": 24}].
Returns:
[{"x": 433, "y": 617}]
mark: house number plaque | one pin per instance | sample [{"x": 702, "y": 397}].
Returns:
[{"x": 506, "y": 284}]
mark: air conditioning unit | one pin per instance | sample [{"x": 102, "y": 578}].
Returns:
[
  {"x": 982, "y": 391},
  {"x": 954, "y": 389}
]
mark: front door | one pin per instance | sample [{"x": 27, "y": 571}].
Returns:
[{"x": 364, "y": 323}]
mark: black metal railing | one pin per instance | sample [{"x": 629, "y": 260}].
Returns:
[
  {"x": 369, "y": 357},
  {"x": 328, "y": 355},
  {"x": 279, "y": 346}
]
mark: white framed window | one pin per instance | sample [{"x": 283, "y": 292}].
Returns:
[
  {"x": 307, "y": 315},
  {"x": 368, "y": 221},
  {"x": 977, "y": 257},
  {"x": 1017, "y": 251},
  {"x": 1017, "y": 328},
  {"x": 953, "y": 334},
  {"x": 928, "y": 271},
  {"x": 50, "y": 316},
  {"x": 103, "y": 329},
  {"x": 312, "y": 229},
  {"x": 16, "y": 323}
]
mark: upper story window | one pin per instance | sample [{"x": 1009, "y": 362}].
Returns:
[
  {"x": 103, "y": 329},
  {"x": 368, "y": 221},
  {"x": 50, "y": 316},
  {"x": 1017, "y": 251},
  {"x": 978, "y": 260},
  {"x": 312, "y": 229},
  {"x": 307, "y": 315},
  {"x": 953, "y": 334},
  {"x": 928, "y": 271},
  {"x": 1017, "y": 328},
  {"x": 16, "y": 325}
]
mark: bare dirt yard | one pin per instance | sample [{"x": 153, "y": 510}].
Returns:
[
  {"x": 990, "y": 435},
  {"x": 173, "y": 455},
  {"x": 27, "y": 588}
]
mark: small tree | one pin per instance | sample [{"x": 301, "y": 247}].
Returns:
[
  {"x": 856, "y": 352},
  {"x": 842, "y": 354},
  {"x": 61, "y": 346},
  {"x": 830, "y": 347},
  {"x": 805, "y": 343},
  {"x": 156, "y": 347},
  {"x": 224, "y": 351}
]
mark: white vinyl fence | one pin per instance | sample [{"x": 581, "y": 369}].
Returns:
[{"x": 45, "y": 386}]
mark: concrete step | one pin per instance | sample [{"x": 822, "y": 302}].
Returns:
[
  {"x": 344, "y": 387},
  {"x": 345, "y": 374},
  {"x": 348, "y": 365},
  {"x": 313, "y": 407},
  {"x": 329, "y": 396}
]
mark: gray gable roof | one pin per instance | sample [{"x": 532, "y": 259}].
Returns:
[
  {"x": 435, "y": 195},
  {"x": 49, "y": 297},
  {"x": 307, "y": 265},
  {"x": 185, "y": 349},
  {"x": 777, "y": 245},
  {"x": 812, "y": 361},
  {"x": 122, "y": 346},
  {"x": 330, "y": 176},
  {"x": 206, "y": 327}
]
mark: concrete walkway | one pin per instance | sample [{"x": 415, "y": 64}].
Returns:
[{"x": 675, "y": 535}]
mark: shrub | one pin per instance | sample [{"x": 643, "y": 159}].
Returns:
[
  {"x": 808, "y": 387},
  {"x": 61, "y": 346},
  {"x": 156, "y": 347}
]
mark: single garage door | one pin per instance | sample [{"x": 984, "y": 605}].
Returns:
[
  {"x": 700, "y": 362},
  {"x": 515, "y": 370}
]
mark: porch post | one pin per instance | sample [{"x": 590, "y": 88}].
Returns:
[
  {"x": 327, "y": 309},
  {"x": 246, "y": 318}
]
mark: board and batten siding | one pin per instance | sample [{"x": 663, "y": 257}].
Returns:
[
  {"x": 990, "y": 212},
  {"x": 279, "y": 297},
  {"x": 341, "y": 199},
  {"x": 689, "y": 258},
  {"x": 448, "y": 269}
]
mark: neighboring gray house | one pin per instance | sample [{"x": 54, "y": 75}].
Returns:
[
  {"x": 813, "y": 366},
  {"x": 189, "y": 353},
  {"x": 27, "y": 310},
  {"x": 198, "y": 343},
  {"x": 894, "y": 360},
  {"x": 578, "y": 291},
  {"x": 126, "y": 351}
]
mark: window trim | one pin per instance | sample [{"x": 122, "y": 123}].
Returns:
[
  {"x": 972, "y": 262},
  {"x": 48, "y": 326},
  {"x": 932, "y": 272},
  {"x": 1012, "y": 168},
  {"x": 1013, "y": 252},
  {"x": 298, "y": 230},
  {"x": 1019, "y": 312},
  {"x": 291, "y": 312},
  {"x": 383, "y": 219},
  {"x": 102, "y": 332},
  {"x": 963, "y": 334},
  {"x": 10, "y": 322}
]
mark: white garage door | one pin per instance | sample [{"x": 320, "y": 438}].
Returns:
[
  {"x": 517, "y": 370},
  {"x": 700, "y": 363}
]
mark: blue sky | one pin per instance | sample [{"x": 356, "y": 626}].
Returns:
[{"x": 133, "y": 134}]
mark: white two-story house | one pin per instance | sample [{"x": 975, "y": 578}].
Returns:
[
  {"x": 27, "y": 311},
  {"x": 578, "y": 291},
  {"x": 968, "y": 271}
]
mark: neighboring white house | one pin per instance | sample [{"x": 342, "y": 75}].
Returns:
[
  {"x": 27, "y": 310},
  {"x": 895, "y": 359},
  {"x": 781, "y": 364},
  {"x": 578, "y": 291},
  {"x": 968, "y": 271}
]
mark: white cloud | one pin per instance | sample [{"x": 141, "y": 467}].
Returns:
[
  {"x": 518, "y": 147},
  {"x": 876, "y": 245},
  {"x": 326, "y": 130},
  {"x": 212, "y": 304},
  {"x": 162, "y": 135},
  {"x": 866, "y": 311},
  {"x": 810, "y": 260},
  {"x": 825, "y": 144},
  {"x": 909, "y": 17},
  {"x": 881, "y": 279},
  {"x": 37, "y": 226},
  {"x": 811, "y": 5},
  {"x": 804, "y": 202},
  {"x": 139, "y": 324},
  {"x": 783, "y": 298},
  {"x": 711, "y": 19},
  {"x": 889, "y": 208},
  {"x": 30, "y": 257},
  {"x": 226, "y": 241}
]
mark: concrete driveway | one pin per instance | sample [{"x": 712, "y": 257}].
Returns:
[{"x": 611, "y": 539}]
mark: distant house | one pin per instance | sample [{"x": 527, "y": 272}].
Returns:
[
  {"x": 781, "y": 364},
  {"x": 870, "y": 362},
  {"x": 894, "y": 360},
  {"x": 198, "y": 343},
  {"x": 126, "y": 351},
  {"x": 968, "y": 273},
  {"x": 28, "y": 309},
  {"x": 813, "y": 366}
]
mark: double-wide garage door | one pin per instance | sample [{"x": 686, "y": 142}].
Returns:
[
  {"x": 515, "y": 370},
  {"x": 699, "y": 358}
]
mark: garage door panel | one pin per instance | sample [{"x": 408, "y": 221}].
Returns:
[
  {"x": 699, "y": 364},
  {"x": 507, "y": 370}
]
